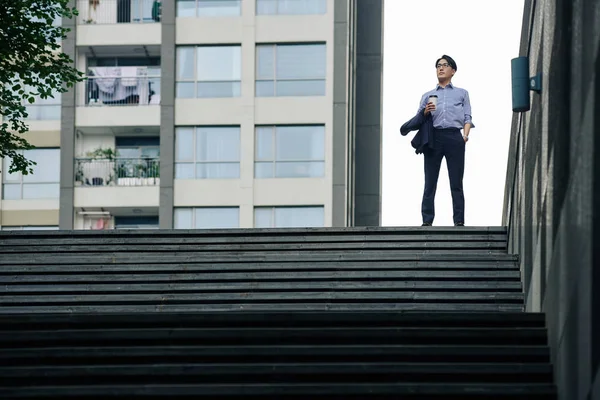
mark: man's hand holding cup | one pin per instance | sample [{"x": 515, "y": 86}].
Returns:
[{"x": 432, "y": 102}]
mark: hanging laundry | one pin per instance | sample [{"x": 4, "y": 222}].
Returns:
[
  {"x": 106, "y": 78},
  {"x": 129, "y": 76}
]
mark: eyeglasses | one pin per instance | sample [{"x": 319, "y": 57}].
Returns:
[{"x": 445, "y": 65}]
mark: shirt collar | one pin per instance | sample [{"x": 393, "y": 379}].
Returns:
[{"x": 449, "y": 85}]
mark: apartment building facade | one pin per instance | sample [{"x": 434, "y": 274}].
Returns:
[{"x": 209, "y": 114}]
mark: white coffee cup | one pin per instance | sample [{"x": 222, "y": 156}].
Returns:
[{"x": 433, "y": 99}]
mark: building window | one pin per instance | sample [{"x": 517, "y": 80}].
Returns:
[
  {"x": 208, "y": 8},
  {"x": 290, "y": 7},
  {"x": 209, "y": 71},
  {"x": 207, "y": 153},
  {"x": 144, "y": 147},
  {"x": 136, "y": 222},
  {"x": 289, "y": 217},
  {"x": 30, "y": 228},
  {"x": 44, "y": 109},
  {"x": 44, "y": 183},
  {"x": 290, "y": 70},
  {"x": 151, "y": 62},
  {"x": 207, "y": 218},
  {"x": 290, "y": 152}
]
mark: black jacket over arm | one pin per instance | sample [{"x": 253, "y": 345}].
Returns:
[{"x": 424, "y": 137}]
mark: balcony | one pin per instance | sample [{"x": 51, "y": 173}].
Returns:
[
  {"x": 120, "y": 86},
  {"x": 119, "y": 96},
  {"x": 118, "y": 22},
  {"x": 93, "y": 12},
  {"x": 121, "y": 183},
  {"x": 120, "y": 172}
]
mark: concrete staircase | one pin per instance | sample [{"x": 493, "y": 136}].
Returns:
[{"x": 287, "y": 313}]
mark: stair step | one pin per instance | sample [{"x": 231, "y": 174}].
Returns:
[
  {"x": 272, "y": 257},
  {"x": 408, "y": 391},
  {"x": 152, "y": 248},
  {"x": 275, "y": 353},
  {"x": 274, "y": 319},
  {"x": 263, "y": 297},
  {"x": 279, "y": 247},
  {"x": 290, "y": 372},
  {"x": 262, "y": 232},
  {"x": 195, "y": 240},
  {"x": 258, "y": 336},
  {"x": 271, "y": 307},
  {"x": 249, "y": 257},
  {"x": 320, "y": 266},
  {"x": 216, "y": 275},
  {"x": 65, "y": 286},
  {"x": 135, "y": 257}
]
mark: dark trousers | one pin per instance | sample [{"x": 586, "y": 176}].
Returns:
[{"x": 449, "y": 143}]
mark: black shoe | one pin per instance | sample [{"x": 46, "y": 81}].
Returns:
[
  {"x": 426, "y": 224},
  {"x": 459, "y": 224}
]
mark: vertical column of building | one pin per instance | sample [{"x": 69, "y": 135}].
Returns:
[
  {"x": 369, "y": 89},
  {"x": 247, "y": 123},
  {"x": 167, "y": 117},
  {"x": 350, "y": 179},
  {"x": 340, "y": 127},
  {"x": 67, "y": 133}
]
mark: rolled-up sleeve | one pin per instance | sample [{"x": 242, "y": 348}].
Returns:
[
  {"x": 422, "y": 104},
  {"x": 467, "y": 110}
]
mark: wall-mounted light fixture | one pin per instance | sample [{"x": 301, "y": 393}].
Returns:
[{"x": 522, "y": 83}]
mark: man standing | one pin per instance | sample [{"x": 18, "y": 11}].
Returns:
[{"x": 451, "y": 111}]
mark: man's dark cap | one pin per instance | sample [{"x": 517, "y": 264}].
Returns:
[{"x": 450, "y": 61}]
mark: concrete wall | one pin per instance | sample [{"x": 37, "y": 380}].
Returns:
[
  {"x": 368, "y": 112},
  {"x": 343, "y": 71},
  {"x": 67, "y": 133},
  {"x": 119, "y": 34},
  {"x": 167, "y": 116},
  {"x": 552, "y": 196}
]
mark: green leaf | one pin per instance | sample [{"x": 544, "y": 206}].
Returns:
[{"x": 29, "y": 67}]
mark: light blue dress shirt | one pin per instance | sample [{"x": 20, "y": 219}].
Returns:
[{"x": 453, "y": 108}]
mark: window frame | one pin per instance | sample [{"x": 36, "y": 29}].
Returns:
[
  {"x": 148, "y": 222},
  {"x": 274, "y": 160},
  {"x": 196, "y": 8},
  {"x": 194, "y": 161},
  {"x": 195, "y": 80},
  {"x": 193, "y": 211},
  {"x": 29, "y": 228},
  {"x": 20, "y": 182},
  {"x": 52, "y": 101},
  {"x": 278, "y": 12},
  {"x": 275, "y": 46},
  {"x": 273, "y": 210}
]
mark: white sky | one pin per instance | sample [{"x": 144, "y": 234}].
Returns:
[{"x": 482, "y": 36}]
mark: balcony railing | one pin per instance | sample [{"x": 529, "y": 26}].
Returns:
[
  {"x": 118, "y": 11},
  {"x": 119, "y": 86},
  {"x": 119, "y": 172}
]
